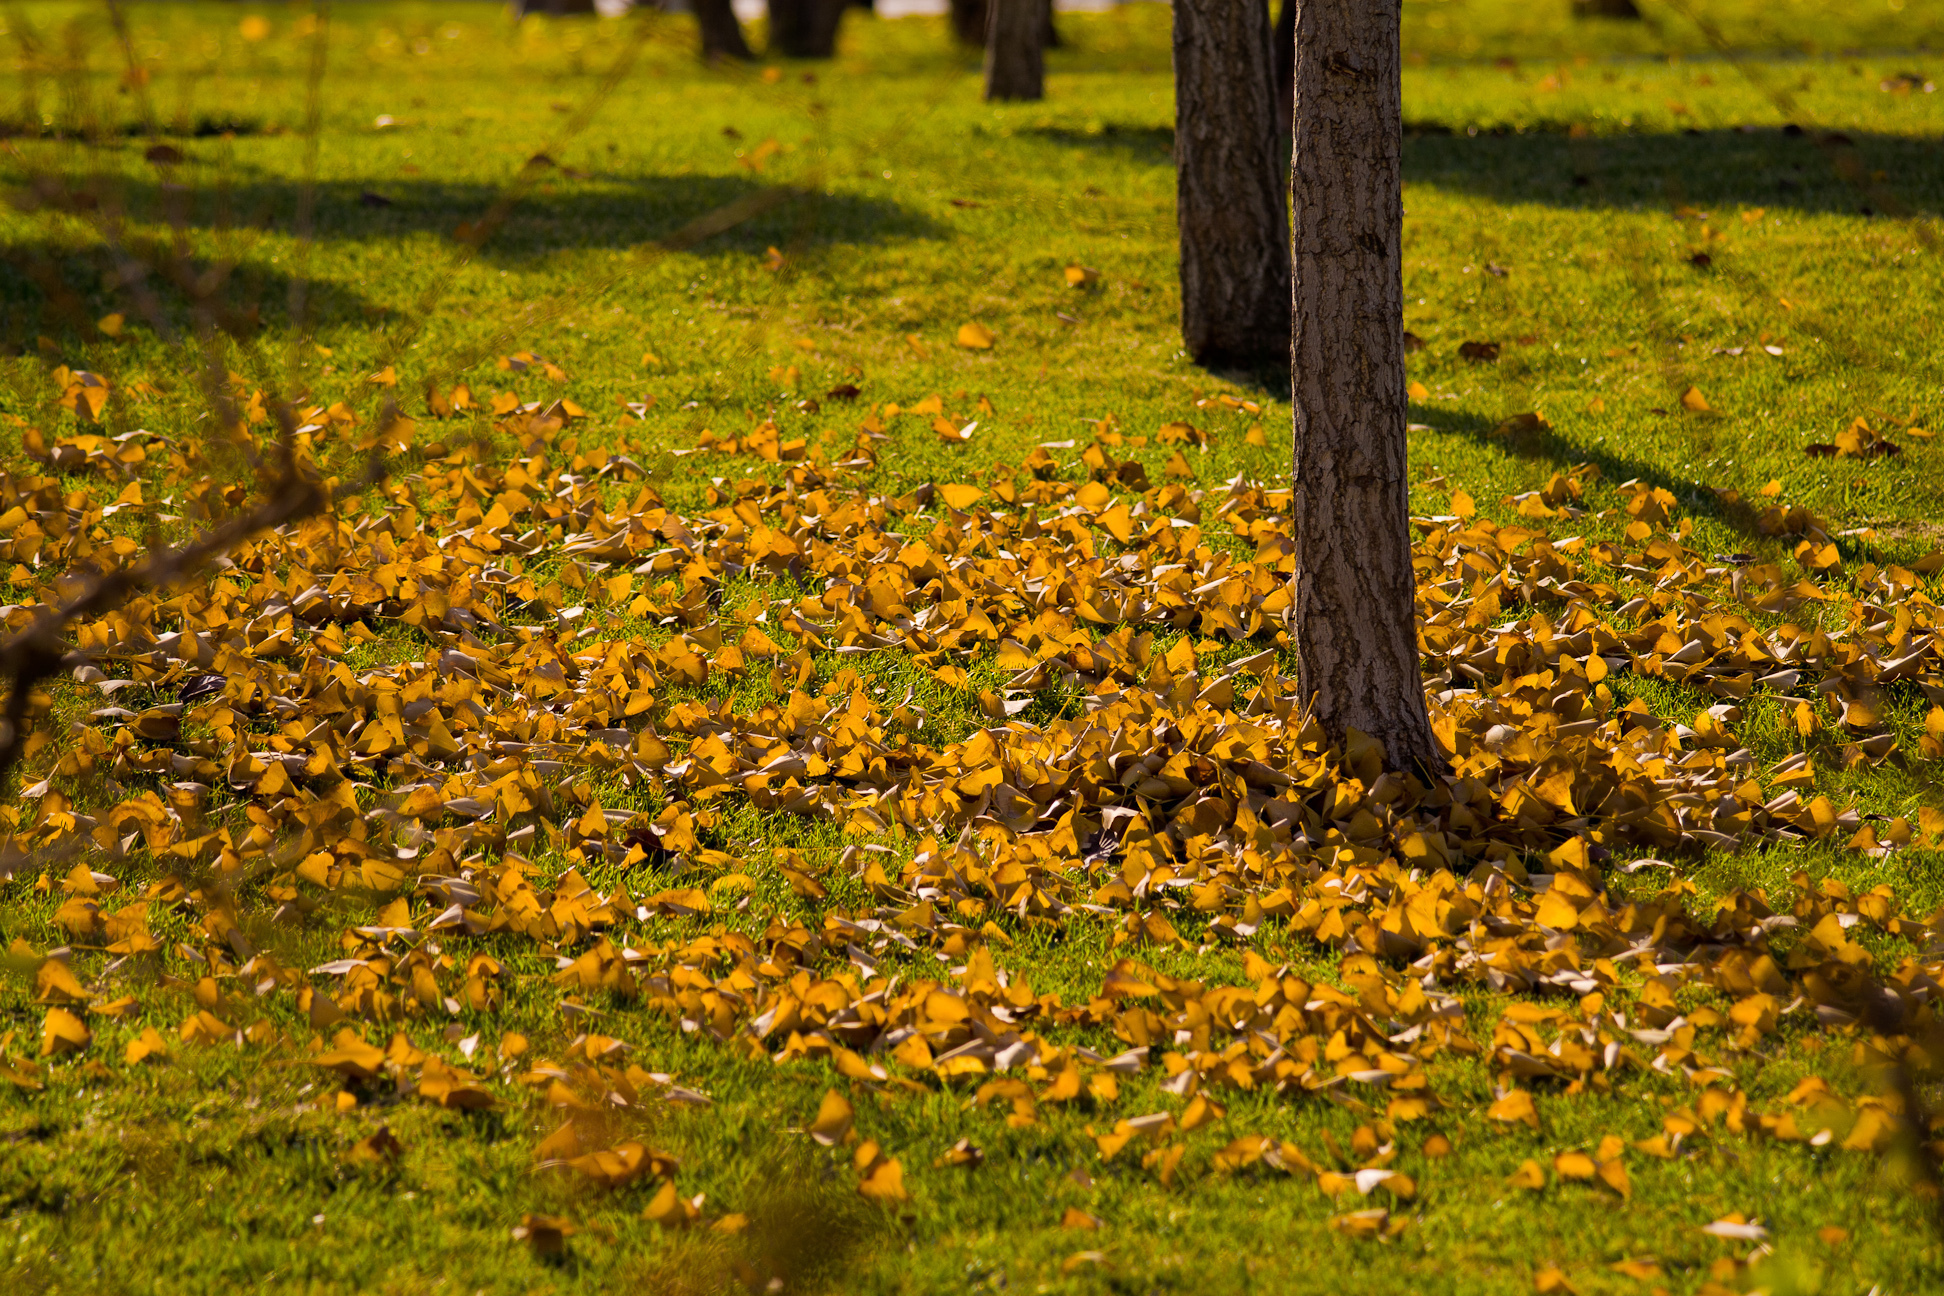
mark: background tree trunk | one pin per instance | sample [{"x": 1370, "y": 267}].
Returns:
[
  {"x": 1356, "y": 632},
  {"x": 969, "y": 21},
  {"x": 1228, "y": 186},
  {"x": 722, "y": 35},
  {"x": 804, "y": 28},
  {"x": 1283, "y": 59},
  {"x": 521, "y": 8},
  {"x": 1014, "y": 68}
]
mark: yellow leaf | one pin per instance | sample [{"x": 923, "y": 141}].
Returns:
[
  {"x": 1575, "y": 1165},
  {"x": 1614, "y": 1175},
  {"x": 959, "y": 496},
  {"x": 1417, "y": 391},
  {"x": 975, "y": 337},
  {"x": 1079, "y": 276},
  {"x": 833, "y": 1123},
  {"x": 352, "y": 1057},
  {"x": 254, "y": 28},
  {"x": 1516, "y": 1107},
  {"x": 146, "y": 1045},
  {"x": 1693, "y": 401},
  {"x": 1530, "y": 1176},
  {"x": 63, "y": 1032},
  {"x": 111, "y": 325},
  {"x": 884, "y": 1182}
]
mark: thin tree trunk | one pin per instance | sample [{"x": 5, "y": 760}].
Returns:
[
  {"x": 969, "y": 21},
  {"x": 1049, "y": 34},
  {"x": 1014, "y": 68},
  {"x": 1356, "y": 634},
  {"x": 1228, "y": 186},
  {"x": 722, "y": 35},
  {"x": 1283, "y": 59},
  {"x": 804, "y": 28}
]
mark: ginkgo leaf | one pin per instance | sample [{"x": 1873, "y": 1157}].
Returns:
[
  {"x": 1529, "y": 1176},
  {"x": 63, "y": 1032},
  {"x": 960, "y": 496},
  {"x": 149, "y": 1044},
  {"x": 975, "y": 336},
  {"x": 1575, "y": 1165},
  {"x": 884, "y": 1182},
  {"x": 1515, "y": 1107},
  {"x": 833, "y": 1123}
]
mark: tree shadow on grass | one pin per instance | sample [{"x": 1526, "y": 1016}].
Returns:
[
  {"x": 1153, "y": 144},
  {"x": 561, "y": 212},
  {"x": 1545, "y": 444},
  {"x": 1778, "y": 167},
  {"x": 1808, "y": 171},
  {"x": 52, "y": 280},
  {"x": 60, "y": 289}
]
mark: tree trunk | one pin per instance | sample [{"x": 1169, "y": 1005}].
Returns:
[
  {"x": 722, "y": 35},
  {"x": 521, "y": 8},
  {"x": 969, "y": 21},
  {"x": 1356, "y": 631},
  {"x": 804, "y": 28},
  {"x": 1228, "y": 186},
  {"x": 1013, "y": 66},
  {"x": 1049, "y": 34},
  {"x": 1283, "y": 59}
]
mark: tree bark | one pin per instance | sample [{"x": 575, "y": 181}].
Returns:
[
  {"x": 1014, "y": 68},
  {"x": 1356, "y": 629},
  {"x": 1228, "y": 186},
  {"x": 804, "y": 28},
  {"x": 722, "y": 35},
  {"x": 1283, "y": 59},
  {"x": 969, "y": 21}
]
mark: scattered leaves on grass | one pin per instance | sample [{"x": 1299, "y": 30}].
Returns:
[{"x": 594, "y": 680}]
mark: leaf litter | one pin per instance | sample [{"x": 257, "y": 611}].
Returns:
[{"x": 1179, "y": 798}]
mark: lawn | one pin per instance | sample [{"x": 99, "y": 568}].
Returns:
[{"x": 786, "y": 780}]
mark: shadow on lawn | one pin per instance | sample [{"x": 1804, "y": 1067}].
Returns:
[
  {"x": 1809, "y": 171},
  {"x": 52, "y": 280},
  {"x": 1545, "y": 444},
  {"x": 561, "y": 212},
  {"x": 1138, "y": 143},
  {"x": 60, "y": 289}
]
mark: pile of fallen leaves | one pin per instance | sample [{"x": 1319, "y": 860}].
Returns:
[{"x": 1144, "y": 765}]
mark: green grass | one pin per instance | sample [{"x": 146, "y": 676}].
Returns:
[{"x": 1590, "y": 172}]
